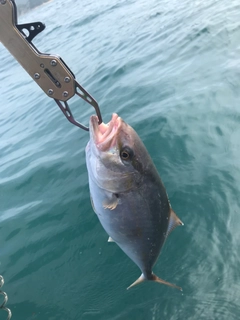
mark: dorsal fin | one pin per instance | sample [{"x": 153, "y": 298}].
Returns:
[{"x": 174, "y": 221}]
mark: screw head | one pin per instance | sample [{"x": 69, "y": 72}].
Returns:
[
  {"x": 42, "y": 65},
  {"x": 53, "y": 63},
  {"x": 36, "y": 75},
  {"x": 3, "y": 1},
  {"x": 50, "y": 92},
  {"x": 67, "y": 79},
  {"x": 65, "y": 94}
]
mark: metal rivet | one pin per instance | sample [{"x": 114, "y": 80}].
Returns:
[
  {"x": 67, "y": 79},
  {"x": 42, "y": 65},
  {"x": 53, "y": 63},
  {"x": 65, "y": 94},
  {"x": 50, "y": 92},
  {"x": 36, "y": 75},
  {"x": 3, "y": 1}
]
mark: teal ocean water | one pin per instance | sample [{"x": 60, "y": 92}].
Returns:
[{"x": 171, "y": 69}]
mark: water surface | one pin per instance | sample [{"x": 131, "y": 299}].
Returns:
[{"x": 171, "y": 70}]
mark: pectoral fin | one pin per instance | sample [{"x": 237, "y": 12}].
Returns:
[
  {"x": 111, "y": 202},
  {"x": 174, "y": 221}
]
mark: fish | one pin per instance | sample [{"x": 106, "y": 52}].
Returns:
[{"x": 127, "y": 194}]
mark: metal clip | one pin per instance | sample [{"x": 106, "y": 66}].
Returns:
[
  {"x": 2, "y": 306},
  {"x": 49, "y": 71}
]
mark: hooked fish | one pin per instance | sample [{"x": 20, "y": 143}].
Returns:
[{"x": 127, "y": 194}]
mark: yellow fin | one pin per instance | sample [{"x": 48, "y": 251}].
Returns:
[
  {"x": 174, "y": 221},
  {"x": 154, "y": 278}
]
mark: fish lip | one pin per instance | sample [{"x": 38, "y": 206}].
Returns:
[{"x": 104, "y": 135}]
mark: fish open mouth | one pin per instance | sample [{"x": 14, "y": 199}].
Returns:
[{"x": 104, "y": 135}]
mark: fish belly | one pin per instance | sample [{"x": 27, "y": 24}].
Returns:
[{"x": 138, "y": 223}]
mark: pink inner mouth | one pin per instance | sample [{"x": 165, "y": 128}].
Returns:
[{"x": 104, "y": 135}]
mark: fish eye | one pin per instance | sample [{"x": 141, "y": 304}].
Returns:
[{"x": 126, "y": 153}]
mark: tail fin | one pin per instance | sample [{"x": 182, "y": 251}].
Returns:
[
  {"x": 139, "y": 280},
  {"x": 154, "y": 278}
]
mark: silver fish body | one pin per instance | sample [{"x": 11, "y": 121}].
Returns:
[{"x": 128, "y": 195}]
